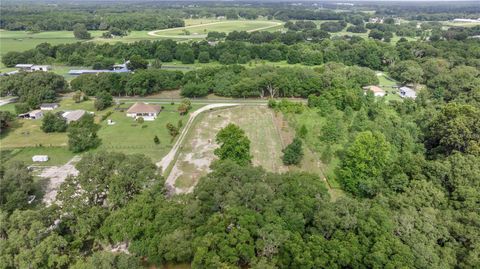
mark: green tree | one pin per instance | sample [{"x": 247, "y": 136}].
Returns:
[
  {"x": 80, "y": 31},
  {"x": 16, "y": 185},
  {"x": 188, "y": 57},
  {"x": 103, "y": 100},
  {"x": 82, "y": 134},
  {"x": 137, "y": 62},
  {"x": 234, "y": 145},
  {"x": 455, "y": 128},
  {"x": 293, "y": 153},
  {"x": 156, "y": 140},
  {"x": 53, "y": 122},
  {"x": 407, "y": 72},
  {"x": 6, "y": 119},
  {"x": 204, "y": 57},
  {"x": 78, "y": 96},
  {"x": 363, "y": 163}
]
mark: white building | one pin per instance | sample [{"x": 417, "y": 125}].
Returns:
[
  {"x": 406, "y": 92},
  {"x": 146, "y": 111},
  {"x": 48, "y": 106}
]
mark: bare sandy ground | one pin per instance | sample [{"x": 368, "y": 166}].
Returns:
[
  {"x": 56, "y": 176},
  {"x": 167, "y": 160},
  {"x": 197, "y": 152}
]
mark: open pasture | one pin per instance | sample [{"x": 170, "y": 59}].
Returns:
[
  {"x": 201, "y": 30},
  {"x": 196, "y": 153}
]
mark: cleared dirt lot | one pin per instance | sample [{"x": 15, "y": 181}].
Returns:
[{"x": 196, "y": 153}]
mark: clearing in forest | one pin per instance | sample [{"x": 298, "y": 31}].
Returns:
[
  {"x": 201, "y": 30},
  {"x": 196, "y": 153}
]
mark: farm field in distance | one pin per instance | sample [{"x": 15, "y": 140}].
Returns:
[
  {"x": 200, "y": 30},
  {"x": 23, "y": 40}
]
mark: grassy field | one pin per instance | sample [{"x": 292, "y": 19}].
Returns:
[
  {"x": 314, "y": 147},
  {"x": 129, "y": 137},
  {"x": 389, "y": 85},
  {"x": 196, "y": 153},
  {"x": 201, "y": 29},
  {"x": 57, "y": 155},
  {"x": 125, "y": 136}
]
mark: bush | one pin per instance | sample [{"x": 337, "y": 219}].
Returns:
[
  {"x": 156, "y": 140},
  {"x": 53, "y": 123},
  {"x": 293, "y": 153},
  {"x": 140, "y": 120},
  {"x": 103, "y": 100},
  {"x": 272, "y": 103},
  {"x": 106, "y": 115}
]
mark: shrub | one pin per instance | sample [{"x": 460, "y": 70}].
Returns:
[{"x": 293, "y": 153}]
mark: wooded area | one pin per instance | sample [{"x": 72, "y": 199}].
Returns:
[{"x": 396, "y": 182}]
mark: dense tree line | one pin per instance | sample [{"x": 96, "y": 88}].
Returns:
[
  {"x": 142, "y": 82},
  {"x": 267, "y": 81},
  {"x": 63, "y": 17},
  {"x": 410, "y": 172},
  {"x": 32, "y": 88},
  {"x": 369, "y": 53}
]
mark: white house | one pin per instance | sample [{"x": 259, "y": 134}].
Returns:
[
  {"x": 377, "y": 91},
  {"x": 406, "y": 92},
  {"x": 48, "y": 106},
  {"x": 34, "y": 115},
  {"x": 146, "y": 111}
]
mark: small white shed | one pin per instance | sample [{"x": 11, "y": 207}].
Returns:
[{"x": 40, "y": 158}]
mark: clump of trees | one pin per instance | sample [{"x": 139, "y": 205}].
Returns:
[
  {"x": 293, "y": 153},
  {"x": 82, "y": 134},
  {"x": 16, "y": 187},
  {"x": 103, "y": 100},
  {"x": 142, "y": 82},
  {"x": 234, "y": 145},
  {"x": 80, "y": 31},
  {"x": 32, "y": 88},
  {"x": 6, "y": 119},
  {"x": 173, "y": 130},
  {"x": 53, "y": 122}
]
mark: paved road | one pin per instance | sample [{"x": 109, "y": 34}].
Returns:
[{"x": 170, "y": 157}]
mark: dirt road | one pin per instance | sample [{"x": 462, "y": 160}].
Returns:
[
  {"x": 167, "y": 160},
  {"x": 56, "y": 176}
]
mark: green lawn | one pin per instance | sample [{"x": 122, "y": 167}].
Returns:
[
  {"x": 57, "y": 155},
  {"x": 388, "y": 84},
  {"x": 125, "y": 136},
  {"x": 128, "y": 136},
  {"x": 313, "y": 154},
  {"x": 8, "y": 107}
]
